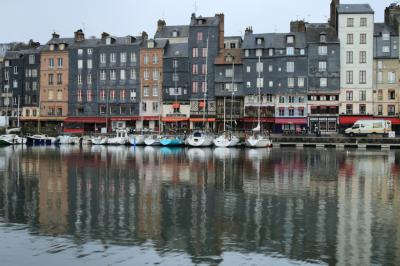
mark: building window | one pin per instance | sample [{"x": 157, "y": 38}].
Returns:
[
  {"x": 102, "y": 75},
  {"x": 281, "y": 111},
  {"x": 363, "y": 38},
  {"x": 289, "y": 50},
  {"x": 259, "y": 41},
  {"x": 323, "y": 82},
  {"x": 270, "y": 68},
  {"x": 102, "y": 95},
  {"x": 290, "y": 82},
  {"x": 155, "y": 91},
  {"x": 380, "y": 110},
  {"x": 349, "y": 95},
  {"x": 204, "y": 69},
  {"x": 79, "y": 95},
  {"x": 270, "y": 83},
  {"x": 363, "y": 57},
  {"x": 291, "y": 99},
  {"x": 363, "y": 77},
  {"x": 281, "y": 99},
  {"x": 349, "y": 109},
  {"x": 349, "y": 57},
  {"x": 89, "y": 95},
  {"x": 322, "y": 50},
  {"x": 300, "y": 111},
  {"x": 385, "y": 49},
  {"x": 79, "y": 79},
  {"x": 175, "y": 63},
  {"x": 133, "y": 74},
  {"x": 350, "y": 38},
  {"x": 133, "y": 57},
  {"x": 246, "y": 53},
  {"x": 195, "y": 52},
  {"x": 248, "y": 69},
  {"x": 112, "y": 95},
  {"x": 122, "y": 95},
  {"x": 51, "y": 79},
  {"x": 175, "y": 77},
  {"x": 51, "y": 63},
  {"x": 34, "y": 85},
  {"x": 391, "y": 95},
  {"x": 300, "y": 82},
  {"x": 203, "y": 87},
  {"x": 363, "y": 109},
  {"x": 113, "y": 58},
  {"x": 195, "y": 69},
  {"x": 155, "y": 59},
  {"x": 363, "y": 95},
  {"x": 270, "y": 52},
  {"x": 363, "y": 22},
  {"x": 349, "y": 77},
  {"x": 228, "y": 72},
  {"x": 260, "y": 82},
  {"x": 80, "y": 51},
  {"x": 258, "y": 52},
  {"x": 322, "y": 38},
  {"x": 89, "y": 64},
  {"x": 122, "y": 57},
  {"x": 113, "y": 74},
  {"x": 80, "y": 64},
  {"x": 146, "y": 59},
  {"x": 391, "y": 110},
  {"x": 50, "y": 95},
  {"x": 146, "y": 74},
  {"x": 289, "y": 39},
  {"x": 102, "y": 109},
  {"x": 204, "y": 52},
  {"x": 350, "y": 22},
  {"x": 290, "y": 67},
  {"x": 322, "y": 66},
  {"x": 248, "y": 84},
  {"x": 391, "y": 77},
  {"x": 199, "y": 36},
  {"x": 102, "y": 58},
  {"x": 31, "y": 59},
  {"x": 380, "y": 95},
  {"x": 155, "y": 107},
  {"x": 195, "y": 87},
  {"x": 89, "y": 51},
  {"x": 59, "y": 95},
  {"x": 122, "y": 74},
  {"x": 385, "y": 36},
  {"x": 259, "y": 66}
]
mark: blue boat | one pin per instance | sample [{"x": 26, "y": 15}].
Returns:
[{"x": 171, "y": 141}]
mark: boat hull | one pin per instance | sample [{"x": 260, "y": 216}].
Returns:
[
  {"x": 200, "y": 140},
  {"x": 258, "y": 142},
  {"x": 137, "y": 140},
  {"x": 32, "y": 141},
  {"x": 172, "y": 142},
  {"x": 224, "y": 141}
]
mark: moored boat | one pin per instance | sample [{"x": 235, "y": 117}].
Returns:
[
  {"x": 227, "y": 139},
  {"x": 99, "y": 140},
  {"x": 39, "y": 139},
  {"x": 121, "y": 137},
  {"x": 152, "y": 140},
  {"x": 172, "y": 141},
  {"x": 200, "y": 139},
  {"x": 136, "y": 139}
]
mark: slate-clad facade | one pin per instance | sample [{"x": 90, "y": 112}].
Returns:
[{"x": 206, "y": 38}]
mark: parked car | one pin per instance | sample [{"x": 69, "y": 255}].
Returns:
[{"x": 366, "y": 127}]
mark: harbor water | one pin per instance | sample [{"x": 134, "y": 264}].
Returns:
[{"x": 102, "y": 205}]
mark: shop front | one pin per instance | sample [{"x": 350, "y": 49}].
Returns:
[{"x": 290, "y": 124}]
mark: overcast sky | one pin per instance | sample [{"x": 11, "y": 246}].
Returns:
[{"x": 25, "y": 19}]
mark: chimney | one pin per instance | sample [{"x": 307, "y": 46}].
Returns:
[
  {"x": 248, "y": 30},
  {"x": 390, "y": 12},
  {"x": 333, "y": 17},
  {"x": 33, "y": 44},
  {"x": 221, "y": 30},
  {"x": 104, "y": 36},
  {"x": 160, "y": 24},
  {"x": 144, "y": 35},
  {"x": 79, "y": 36},
  {"x": 298, "y": 26},
  {"x": 55, "y": 35}
]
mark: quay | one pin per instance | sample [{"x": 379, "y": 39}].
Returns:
[{"x": 337, "y": 141}]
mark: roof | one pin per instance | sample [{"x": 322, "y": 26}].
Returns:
[
  {"x": 314, "y": 30},
  {"x": 176, "y": 50},
  {"x": 208, "y": 21},
  {"x": 166, "y": 32},
  {"x": 236, "y": 53},
  {"x": 379, "y": 28},
  {"x": 160, "y": 44},
  {"x": 354, "y": 9},
  {"x": 274, "y": 40}
]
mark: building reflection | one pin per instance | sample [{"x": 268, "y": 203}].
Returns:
[{"x": 336, "y": 207}]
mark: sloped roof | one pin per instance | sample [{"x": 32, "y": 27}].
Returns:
[
  {"x": 166, "y": 32},
  {"x": 314, "y": 30},
  {"x": 273, "y": 40},
  {"x": 354, "y": 9}
]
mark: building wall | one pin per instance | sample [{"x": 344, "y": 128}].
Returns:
[{"x": 356, "y": 66}]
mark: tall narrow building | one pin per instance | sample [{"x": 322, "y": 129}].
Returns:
[{"x": 355, "y": 28}]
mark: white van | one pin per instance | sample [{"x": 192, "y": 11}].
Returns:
[{"x": 365, "y": 127}]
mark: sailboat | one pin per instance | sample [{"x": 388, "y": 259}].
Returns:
[
  {"x": 201, "y": 138},
  {"x": 228, "y": 138},
  {"x": 258, "y": 139}
]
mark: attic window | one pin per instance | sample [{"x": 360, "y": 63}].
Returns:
[
  {"x": 289, "y": 39},
  {"x": 322, "y": 37},
  {"x": 200, "y": 21},
  {"x": 108, "y": 40},
  {"x": 259, "y": 41},
  {"x": 150, "y": 44},
  {"x": 385, "y": 36},
  {"x": 175, "y": 33},
  {"x": 61, "y": 46},
  {"x": 51, "y": 47}
]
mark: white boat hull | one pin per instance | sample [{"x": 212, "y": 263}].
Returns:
[
  {"x": 99, "y": 140},
  {"x": 137, "y": 140},
  {"x": 226, "y": 141},
  {"x": 153, "y": 140},
  {"x": 200, "y": 140},
  {"x": 258, "y": 142},
  {"x": 118, "y": 141}
]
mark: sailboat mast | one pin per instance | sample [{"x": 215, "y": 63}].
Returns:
[
  {"x": 205, "y": 89},
  {"x": 232, "y": 88},
  {"x": 175, "y": 65},
  {"x": 18, "y": 112},
  {"x": 259, "y": 91}
]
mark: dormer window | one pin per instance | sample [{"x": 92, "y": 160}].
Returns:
[
  {"x": 200, "y": 21},
  {"x": 150, "y": 44},
  {"x": 322, "y": 37},
  {"x": 228, "y": 58},
  {"x": 108, "y": 40},
  {"x": 259, "y": 41},
  {"x": 51, "y": 47},
  {"x": 386, "y": 36},
  {"x": 289, "y": 39},
  {"x": 61, "y": 46},
  {"x": 175, "y": 33}
]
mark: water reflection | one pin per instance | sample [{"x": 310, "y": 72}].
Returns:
[{"x": 316, "y": 206}]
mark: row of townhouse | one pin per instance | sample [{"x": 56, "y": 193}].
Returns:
[{"x": 325, "y": 75}]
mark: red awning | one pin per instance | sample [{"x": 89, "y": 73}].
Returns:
[
  {"x": 292, "y": 120},
  {"x": 351, "y": 119},
  {"x": 99, "y": 120},
  {"x": 255, "y": 119},
  {"x": 394, "y": 120},
  {"x": 202, "y": 119},
  {"x": 74, "y": 130},
  {"x": 174, "y": 119},
  {"x": 125, "y": 118}
]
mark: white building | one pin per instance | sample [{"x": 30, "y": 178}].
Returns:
[{"x": 355, "y": 26}]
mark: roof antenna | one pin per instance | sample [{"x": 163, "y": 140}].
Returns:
[
  {"x": 83, "y": 26},
  {"x": 195, "y": 7}
]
